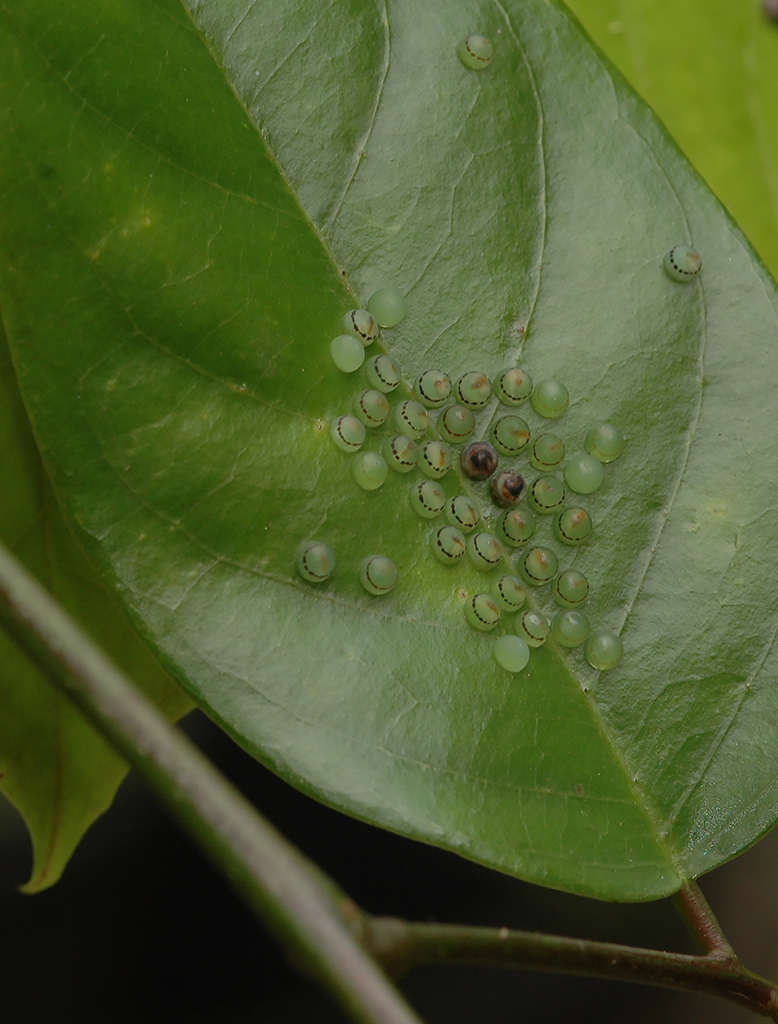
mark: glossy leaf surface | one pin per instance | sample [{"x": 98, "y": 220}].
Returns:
[
  {"x": 186, "y": 197},
  {"x": 711, "y": 73}
]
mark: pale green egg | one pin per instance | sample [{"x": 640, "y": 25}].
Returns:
[
  {"x": 347, "y": 433},
  {"x": 550, "y": 399},
  {"x": 434, "y": 461},
  {"x": 547, "y": 452},
  {"x": 604, "y": 442},
  {"x": 462, "y": 512},
  {"x": 401, "y": 453},
  {"x": 682, "y": 263},
  {"x": 572, "y": 525},
  {"x": 510, "y": 592},
  {"x": 510, "y": 435},
  {"x": 433, "y": 388},
  {"x": 473, "y": 390},
  {"x": 604, "y": 650},
  {"x": 475, "y": 52},
  {"x": 411, "y": 419},
  {"x": 388, "y": 306},
  {"x": 371, "y": 407},
  {"x": 515, "y": 526},
  {"x": 538, "y": 566},
  {"x": 369, "y": 470},
  {"x": 315, "y": 561},
  {"x": 584, "y": 474},
  {"x": 534, "y": 627},
  {"x": 511, "y": 652},
  {"x": 570, "y": 589},
  {"x": 348, "y": 352},
  {"x": 482, "y": 612},
  {"x": 456, "y": 424},
  {"x": 377, "y": 574},
  {"x": 513, "y": 386},
  {"x": 569, "y": 627},
  {"x": 484, "y": 551},
  {"x": 382, "y": 373},
  {"x": 428, "y": 499},
  {"x": 361, "y": 324},
  {"x": 448, "y": 545},
  {"x": 546, "y": 494}
]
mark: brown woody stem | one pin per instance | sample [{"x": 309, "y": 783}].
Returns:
[{"x": 402, "y": 945}]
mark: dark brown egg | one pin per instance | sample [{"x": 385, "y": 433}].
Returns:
[
  {"x": 479, "y": 460},
  {"x": 507, "y": 488}
]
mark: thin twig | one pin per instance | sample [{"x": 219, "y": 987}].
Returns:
[
  {"x": 402, "y": 945},
  {"x": 302, "y": 905},
  {"x": 698, "y": 917}
]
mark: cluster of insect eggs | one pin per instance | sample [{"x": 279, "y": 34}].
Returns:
[
  {"x": 479, "y": 460},
  {"x": 537, "y": 566},
  {"x": 583, "y": 473}
]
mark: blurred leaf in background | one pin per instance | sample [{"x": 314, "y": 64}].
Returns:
[
  {"x": 57, "y": 771},
  {"x": 710, "y": 70}
]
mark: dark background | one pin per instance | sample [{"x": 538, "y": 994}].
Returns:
[{"x": 141, "y": 929}]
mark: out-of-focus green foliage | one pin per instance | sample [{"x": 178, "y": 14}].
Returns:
[{"x": 710, "y": 70}]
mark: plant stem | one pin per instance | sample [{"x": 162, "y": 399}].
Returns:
[
  {"x": 310, "y": 916},
  {"x": 698, "y": 917},
  {"x": 401, "y": 945}
]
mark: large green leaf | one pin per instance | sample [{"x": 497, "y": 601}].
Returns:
[
  {"x": 186, "y": 195},
  {"x": 54, "y": 767},
  {"x": 711, "y": 73}
]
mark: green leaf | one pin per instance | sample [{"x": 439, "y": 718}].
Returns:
[
  {"x": 54, "y": 767},
  {"x": 711, "y": 73},
  {"x": 184, "y": 198}
]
